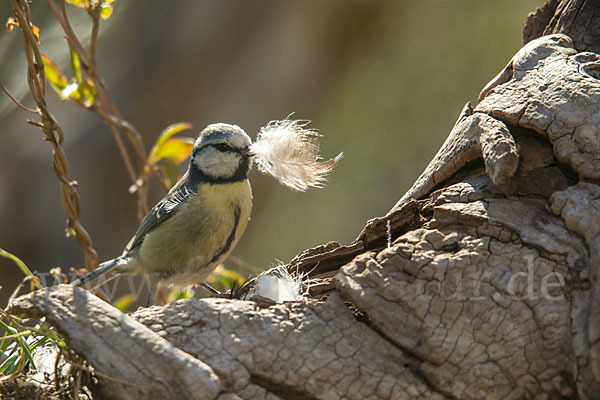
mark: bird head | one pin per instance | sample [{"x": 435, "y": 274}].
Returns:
[{"x": 222, "y": 153}]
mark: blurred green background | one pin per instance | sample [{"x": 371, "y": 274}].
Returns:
[{"x": 384, "y": 81}]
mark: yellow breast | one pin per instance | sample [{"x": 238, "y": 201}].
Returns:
[{"x": 202, "y": 233}]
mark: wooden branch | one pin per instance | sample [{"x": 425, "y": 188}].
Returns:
[
  {"x": 576, "y": 18},
  {"x": 141, "y": 363}
]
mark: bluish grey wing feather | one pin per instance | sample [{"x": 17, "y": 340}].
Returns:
[{"x": 166, "y": 208}]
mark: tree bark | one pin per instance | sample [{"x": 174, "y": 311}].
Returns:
[{"x": 489, "y": 289}]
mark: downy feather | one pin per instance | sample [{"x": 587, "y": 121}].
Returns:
[{"x": 289, "y": 152}]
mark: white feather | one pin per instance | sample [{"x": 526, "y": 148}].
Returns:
[
  {"x": 279, "y": 285},
  {"x": 289, "y": 152}
]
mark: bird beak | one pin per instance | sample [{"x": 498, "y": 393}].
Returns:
[{"x": 247, "y": 153}]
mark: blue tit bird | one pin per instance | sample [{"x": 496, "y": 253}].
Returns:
[{"x": 198, "y": 223}]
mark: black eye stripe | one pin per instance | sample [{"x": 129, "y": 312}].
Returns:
[{"x": 222, "y": 147}]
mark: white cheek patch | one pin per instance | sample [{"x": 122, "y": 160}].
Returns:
[{"x": 217, "y": 164}]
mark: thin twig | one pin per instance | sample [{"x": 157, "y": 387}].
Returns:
[
  {"x": 16, "y": 335},
  {"x": 77, "y": 385},
  {"x": 108, "y": 107},
  {"x": 17, "y": 102},
  {"x": 36, "y": 79},
  {"x": 70, "y": 34},
  {"x": 22, "y": 284},
  {"x": 94, "y": 36},
  {"x": 126, "y": 126}
]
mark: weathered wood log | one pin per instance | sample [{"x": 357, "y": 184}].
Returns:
[
  {"x": 489, "y": 290},
  {"x": 575, "y": 18},
  {"x": 143, "y": 364}
]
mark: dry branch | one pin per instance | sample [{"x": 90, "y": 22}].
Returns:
[
  {"x": 140, "y": 363},
  {"x": 36, "y": 79}
]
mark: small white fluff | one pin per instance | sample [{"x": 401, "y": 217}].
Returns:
[
  {"x": 289, "y": 152},
  {"x": 279, "y": 285}
]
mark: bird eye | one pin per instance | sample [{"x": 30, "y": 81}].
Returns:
[{"x": 222, "y": 147}]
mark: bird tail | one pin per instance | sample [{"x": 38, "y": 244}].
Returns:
[{"x": 105, "y": 270}]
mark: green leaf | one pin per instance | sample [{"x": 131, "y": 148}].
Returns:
[
  {"x": 176, "y": 149},
  {"x": 22, "y": 267},
  {"x": 88, "y": 92},
  {"x": 164, "y": 136},
  {"x": 4, "y": 344},
  {"x": 79, "y": 3},
  {"x": 76, "y": 64},
  {"x": 10, "y": 330},
  {"x": 106, "y": 10},
  {"x": 224, "y": 279},
  {"x": 28, "y": 345},
  {"x": 124, "y": 302},
  {"x": 178, "y": 294},
  {"x": 55, "y": 76},
  {"x": 11, "y": 364},
  {"x": 83, "y": 93},
  {"x": 8, "y": 366},
  {"x": 169, "y": 170}
]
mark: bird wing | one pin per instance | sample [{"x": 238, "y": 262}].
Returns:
[{"x": 162, "y": 211}]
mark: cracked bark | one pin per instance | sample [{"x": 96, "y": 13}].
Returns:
[{"x": 489, "y": 290}]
